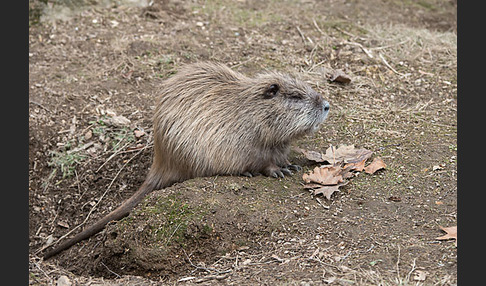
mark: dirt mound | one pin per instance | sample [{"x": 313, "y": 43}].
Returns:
[{"x": 200, "y": 220}]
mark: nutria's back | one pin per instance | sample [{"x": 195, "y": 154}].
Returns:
[{"x": 212, "y": 120}]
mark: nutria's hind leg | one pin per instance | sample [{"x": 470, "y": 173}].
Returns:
[{"x": 248, "y": 174}]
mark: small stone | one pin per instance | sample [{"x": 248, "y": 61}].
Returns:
[
  {"x": 139, "y": 133},
  {"x": 63, "y": 281},
  {"x": 88, "y": 135}
]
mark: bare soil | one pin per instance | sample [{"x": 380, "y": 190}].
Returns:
[{"x": 93, "y": 76}]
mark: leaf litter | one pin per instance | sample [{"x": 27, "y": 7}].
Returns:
[
  {"x": 346, "y": 162},
  {"x": 374, "y": 166},
  {"x": 451, "y": 233}
]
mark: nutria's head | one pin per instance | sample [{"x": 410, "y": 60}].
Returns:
[{"x": 288, "y": 105}]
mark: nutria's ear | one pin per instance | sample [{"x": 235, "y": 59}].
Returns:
[{"x": 271, "y": 91}]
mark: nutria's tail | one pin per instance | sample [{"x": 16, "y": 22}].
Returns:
[{"x": 123, "y": 210}]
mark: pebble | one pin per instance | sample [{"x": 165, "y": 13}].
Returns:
[{"x": 63, "y": 281}]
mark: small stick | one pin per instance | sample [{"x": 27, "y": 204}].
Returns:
[
  {"x": 367, "y": 52},
  {"x": 319, "y": 201},
  {"x": 117, "y": 276},
  {"x": 37, "y": 265},
  {"x": 112, "y": 156},
  {"x": 389, "y": 66},
  {"x": 301, "y": 34},
  {"x": 398, "y": 261},
  {"x": 333, "y": 156},
  {"x": 210, "y": 277},
  {"x": 411, "y": 270},
  {"x": 317, "y": 26}
]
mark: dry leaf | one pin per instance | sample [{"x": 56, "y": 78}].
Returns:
[
  {"x": 358, "y": 167},
  {"x": 313, "y": 155},
  {"x": 344, "y": 154},
  {"x": 339, "y": 76},
  {"x": 326, "y": 180},
  {"x": 327, "y": 191},
  {"x": 325, "y": 176},
  {"x": 312, "y": 186},
  {"x": 374, "y": 166},
  {"x": 451, "y": 233}
]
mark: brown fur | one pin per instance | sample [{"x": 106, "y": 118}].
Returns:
[{"x": 211, "y": 120}]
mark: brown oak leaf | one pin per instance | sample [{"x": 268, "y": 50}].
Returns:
[
  {"x": 358, "y": 167},
  {"x": 327, "y": 191},
  {"x": 451, "y": 233},
  {"x": 324, "y": 175},
  {"x": 342, "y": 154},
  {"x": 374, "y": 166},
  {"x": 313, "y": 155},
  {"x": 346, "y": 154},
  {"x": 326, "y": 180},
  {"x": 346, "y": 161}
]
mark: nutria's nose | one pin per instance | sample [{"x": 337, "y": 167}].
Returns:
[{"x": 326, "y": 106}]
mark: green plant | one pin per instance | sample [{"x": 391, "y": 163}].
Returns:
[
  {"x": 66, "y": 160},
  {"x": 124, "y": 134}
]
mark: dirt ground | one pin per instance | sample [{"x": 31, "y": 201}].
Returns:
[{"x": 93, "y": 76}]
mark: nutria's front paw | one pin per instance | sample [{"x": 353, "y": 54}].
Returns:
[{"x": 296, "y": 168}]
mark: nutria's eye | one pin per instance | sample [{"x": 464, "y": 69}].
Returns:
[{"x": 271, "y": 91}]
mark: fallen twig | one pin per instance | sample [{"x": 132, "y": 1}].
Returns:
[
  {"x": 112, "y": 272},
  {"x": 319, "y": 201},
  {"x": 390, "y": 67},
  {"x": 211, "y": 277},
  {"x": 300, "y": 33},
  {"x": 367, "y": 52},
  {"x": 317, "y": 27},
  {"x": 118, "y": 151}
]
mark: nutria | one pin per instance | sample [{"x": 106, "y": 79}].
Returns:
[{"x": 211, "y": 120}]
